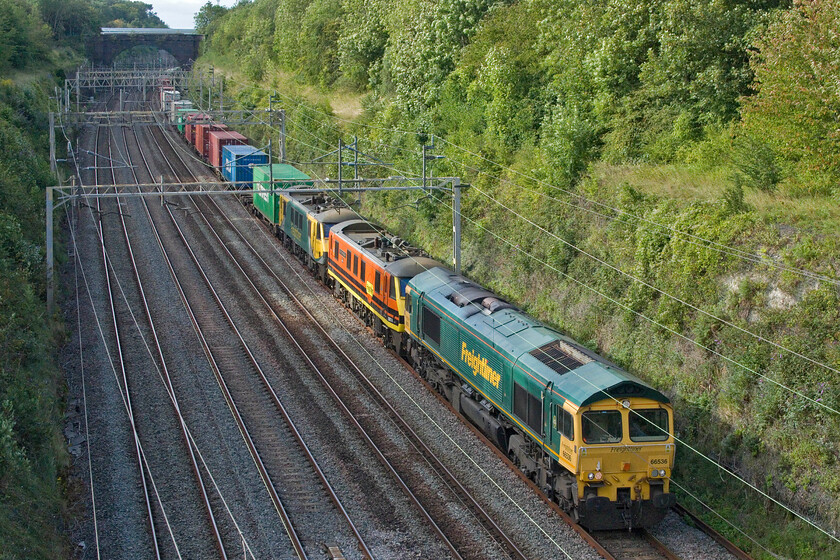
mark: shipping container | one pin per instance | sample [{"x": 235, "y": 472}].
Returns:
[
  {"x": 167, "y": 98},
  {"x": 237, "y": 163},
  {"x": 202, "y": 136},
  {"x": 285, "y": 176},
  {"x": 164, "y": 89},
  {"x": 218, "y": 140}
]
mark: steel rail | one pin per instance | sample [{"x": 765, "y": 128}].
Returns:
[
  {"x": 635, "y": 545},
  {"x": 487, "y": 518},
  {"x": 717, "y": 537},
  {"x": 379, "y": 453},
  {"x": 263, "y": 472},
  {"x": 129, "y": 408},
  {"x": 165, "y": 371},
  {"x": 660, "y": 547}
]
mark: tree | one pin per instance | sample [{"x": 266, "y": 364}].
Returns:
[
  {"x": 798, "y": 103},
  {"x": 207, "y": 15},
  {"x": 23, "y": 36},
  {"x": 70, "y": 19},
  {"x": 128, "y": 13}
]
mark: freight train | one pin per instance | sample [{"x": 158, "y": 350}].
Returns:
[{"x": 596, "y": 439}]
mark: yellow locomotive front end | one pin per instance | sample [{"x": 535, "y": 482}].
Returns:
[{"x": 624, "y": 461}]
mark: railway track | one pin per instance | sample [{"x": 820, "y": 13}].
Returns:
[
  {"x": 635, "y": 545},
  {"x": 610, "y": 545},
  {"x": 152, "y": 424},
  {"x": 413, "y": 451},
  {"x": 138, "y": 362},
  {"x": 296, "y": 491},
  {"x": 100, "y": 164},
  {"x": 204, "y": 491}
]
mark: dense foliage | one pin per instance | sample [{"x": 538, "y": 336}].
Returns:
[
  {"x": 795, "y": 111},
  {"x": 31, "y": 447},
  {"x": 74, "y": 19},
  {"x": 127, "y": 13},
  {"x": 23, "y": 35},
  {"x": 553, "y": 110}
]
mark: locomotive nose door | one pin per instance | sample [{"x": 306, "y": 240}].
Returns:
[{"x": 548, "y": 414}]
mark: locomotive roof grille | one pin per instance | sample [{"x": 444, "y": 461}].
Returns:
[
  {"x": 560, "y": 356},
  {"x": 469, "y": 295},
  {"x": 477, "y": 295}
]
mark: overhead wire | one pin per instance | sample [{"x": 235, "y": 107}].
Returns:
[
  {"x": 676, "y": 438},
  {"x": 84, "y": 403},
  {"x": 122, "y": 395},
  {"x": 417, "y": 405},
  {"x": 582, "y": 378},
  {"x": 800, "y": 516},
  {"x": 422, "y": 409},
  {"x": 644, "y": 459},
  {"x": 670, "y": 296}
]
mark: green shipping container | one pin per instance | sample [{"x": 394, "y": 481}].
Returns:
[{"x": 285, "y": 176}]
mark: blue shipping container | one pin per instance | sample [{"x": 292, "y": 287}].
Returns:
[{"x": 237, "y": 162}]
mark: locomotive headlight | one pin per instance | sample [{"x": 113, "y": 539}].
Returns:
[
  {"x": 662, "y": 472},
  {"x": 654, "y": 473},
  {"x": 598, "y": 475},
  {"x": 625, "y": 403},
  {"x": 591, "y": 476}
]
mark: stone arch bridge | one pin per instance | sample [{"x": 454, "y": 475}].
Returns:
[{"x": 183, "y": 44}]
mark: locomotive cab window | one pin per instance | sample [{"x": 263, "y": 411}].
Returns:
[
  {"x": 527, "y": 407},
  {"x": 564, "y": 423},
  {"x": 393, "y": 283},
  {"x": 335, "y": 249},
  {"x": 431, "y": 324},
  {"x": 601, "y": 426},
  {"x": 649, "y": 424}
]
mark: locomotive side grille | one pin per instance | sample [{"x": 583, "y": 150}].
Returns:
[{"x": 560, "y": 357}]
